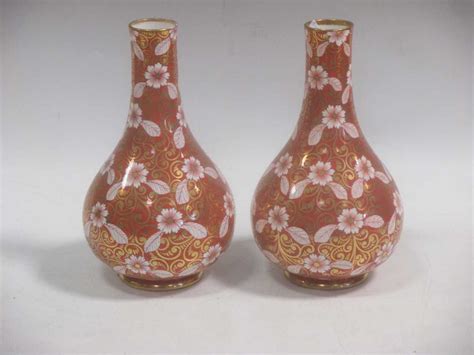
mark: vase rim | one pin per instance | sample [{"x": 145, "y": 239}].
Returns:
[
  {"x": 329, "y": 24},
  {"x": 152, "y": 24}
]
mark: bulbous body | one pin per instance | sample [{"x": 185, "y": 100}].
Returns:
[
  {"x": 327, "y": 210},
  {"x": 159, "y": 211}
]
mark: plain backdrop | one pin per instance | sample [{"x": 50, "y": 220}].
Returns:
[{"x": 65, "y": 86}]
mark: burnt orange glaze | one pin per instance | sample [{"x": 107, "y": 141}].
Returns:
[
  {"x": 159, "y": 209},
  {"x": 327, "y": 208}
]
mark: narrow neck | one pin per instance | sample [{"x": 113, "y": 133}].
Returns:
[{"x": 328, "y": 67}]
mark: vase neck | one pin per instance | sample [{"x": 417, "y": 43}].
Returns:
[
  {"x": 328, "y": 68},
  {"x": 155, "y": 92}
]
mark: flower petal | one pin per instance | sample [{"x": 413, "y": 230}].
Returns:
[
  {"x": 299, "y": 235},
  {"x": 224, "y": 227},
  {"x": 350, "y": 129},
  {"x": 162, "y": 274},
  {"x": 191, "y": 270},
  {"x": 138, "y": 51},
  {"x": 151, "y": 128},
  {"x": 374, "y": 221},
  {"x": 315, "y": 134},
  {"x": 298, "y": 189},
  {"x": 182, "y": 194},
  {"x": 270, "y": 256},
  {"x": 392, "y": 223},
  {"x": 324, "y": 233},
  {"x": 172, "y": 91},
  {"x": 87, "y": 228},
  {"x": 321, "y": 49},
  {"x": 117, "y": 234},
  {"x": 153, "y": 242},
  {"x": 163, "y": 47},
  {"x": 338, "y": 190},
  {"x": 382, "y": 177},
  {"x": 114, "y": 189},
  {"x": 121, "y": 269},
  {"x": 261, "y": 223},
  {"x": 345, "y": 94},
  {"x": 110, "y": 176},
  {"x": 357, "y": 188},
  {"x": 284, "y": 185},
  {"x": 335, "y": 83},
  {"x": 138, "y": 90},
  {"x": 178, "y": 138},
  {"x": 197, "y": 230},
  {"x": 294, "y": 269},
  {"x": 158, "y": 186},
  {"x": 347, "y": 49},
  {"x": 342, "y": 264},
  {"x": 211, "y": 172}
]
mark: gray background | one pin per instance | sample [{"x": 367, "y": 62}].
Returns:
[{"x": 65, "y": 86}]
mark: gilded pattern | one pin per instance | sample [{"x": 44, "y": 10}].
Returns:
[{"x": 326, "y": 207}]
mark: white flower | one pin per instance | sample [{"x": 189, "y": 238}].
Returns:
[
  {"x": 212, "y": 254},
  {"x": 98, "y": 214},
  {"x": 135, "y": 174},
  {"x": 107, "y": 165},
  {"x": 193, "y": 169},
  {"x": 384, "y": 252},
  {"x": 397, "y": 202},
  {"x": 317, "y": 263},
  {"x": 180, "y": 117},
  {"x": 134, "y": 115},
  {"x": 338, "y": 37},
  {"x": 137, "y": 264},
  {"x": 170, "y": 221},
  {"x": 317, "y": 77},
  {"x": 321, "y": 173},
  {"x": 364, "y": 168},
  {"x": 283, "y": 165},
  {"x": 350, "y": 221},
  {"x": 278, "y": 218},
  {"x": 334, "y": 116},
  {"x": 157, "y": 75},
  {"x": 349, "y": 75},
  {"x": 229, "y": 204}
]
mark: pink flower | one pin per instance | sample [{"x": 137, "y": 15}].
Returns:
[
  {"x": 350, "y": 221},
  {"x": 135, "y": 175},
  {"x": 278, "y": 218},
  {"x": 170, "y": 221},
  {"x": 334, "y": 116},
  {"x": 317, "y": 263},
  {"x": 338, "y": 37},
  {"x": 364, "y": 168},
  {"x": 212, "y": 254},
  {"x": 283, "y": 165},
  {"x": 134, "y": 115},
  {"x": 98, "y": 214},
  {"x": 157, "y": 75},
  {"x": 317, "y": 77},
  {"x": 137, "y": 265},
  {"x": 193, "y": 169},
  {"x": 384, "y": 252},
  {"x": 321, "y": 173}
]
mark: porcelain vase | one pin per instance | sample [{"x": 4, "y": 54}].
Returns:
[
  {"x": 159, "y": 212},
  {"x": 327, "y": 211}
]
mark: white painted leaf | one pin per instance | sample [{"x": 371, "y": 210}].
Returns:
[
  {"x": 347, "y": 49},
  {"x": 153, "y": 242},
  {"x": 138, "y": 51},
  {"x": 163, "y": 47},
  {"x": 342, "y": 264},
  {"x": 299, "y": 235},
  {"x": 374, "y": 221},
  {"x": 138, "y": 90},
  {"x": 350, "y": 129},
  {"x": 151, "y": 128},
  {"x": 359, "y": 270},
  {"x": 284, "y": 185},
  {"x": 339, "y": 191},
  {"x": 357, "y": 188},
  {"x": 270, "y": 256},
  {"x": 261, "y": 223},
  {"x": 335, "y": 83},
  {"x": 178, "y": 138},
  {"x": 345, "y": 94},
  {"x": 114, "y": 189},
  {"x": 297, "y": 189},
  {"x": 87, "y": 228},
  {"x": 309, "y": 49},
  {"x": 315, "y": 134},
  {"x": 211, "y": 172},
  {"x": 172, "y": 91},
  {"x": 324, "y": 233},
  {"x": 224, "y": 227},
  {"x": 197, "y": 230},
  {"x": 191, "y": 270},
  {"x": 121, "y": 269},
  {"x": 162, "y": 274},
  {"x": 110, "y": 176},
  {"x": 158, "y": 186},
  {"x": 392, "y": 223},
  {"x": 182, "y": 195},
  {"x": 117, "y": 234},
  {"x": 382, "y": 177},
  {"x": 294, "y": 269},
  {"x": 321, "y": 49}
]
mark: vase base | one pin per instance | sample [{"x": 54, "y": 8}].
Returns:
[
  {"x": 308, "y": 282},
  {"x": 161, "y": 285}
]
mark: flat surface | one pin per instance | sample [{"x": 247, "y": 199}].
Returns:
[{"x": 65, "y": 90}]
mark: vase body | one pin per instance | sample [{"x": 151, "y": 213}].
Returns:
[
  {"x": 159, "y": 211},
  {"x": 327, "y": 211}
]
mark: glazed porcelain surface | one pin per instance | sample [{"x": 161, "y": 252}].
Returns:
[
  {"x": 159, "y": 211},
  {"x": 327, "y": 211}
]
